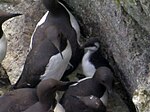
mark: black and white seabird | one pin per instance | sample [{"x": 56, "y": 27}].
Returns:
[
  {"x": 46, "y": 92},
  {"x": 92, "y": 58},
  {"x": 3, "y": 41},
  {"x": 98, "y": 86},
  {"x": 53, "y": 44}
]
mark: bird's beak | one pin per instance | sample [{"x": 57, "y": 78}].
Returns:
[
  {"x": 57, "y": 45},
  {"x": 10, "y": 15},
  {"x": 7, "y": 16}
]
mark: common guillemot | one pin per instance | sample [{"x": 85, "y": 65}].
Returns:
[{"x": 54, "y": 46}]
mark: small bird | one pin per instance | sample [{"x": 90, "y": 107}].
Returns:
[
  {"x": 92, "y": 103},
  {"x": 92, "y": 58},
  {"x": 3, "y": 41},
  {"x": 46, "y": 92},
  {"x": 21, "y": 99},
  {"x": 100, "y": 85}
]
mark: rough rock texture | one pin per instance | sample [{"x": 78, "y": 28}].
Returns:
[
  {"x": 123, "y": 27},
  {"x": 18, "y": 32},
  {"x": 4, "y": 80}
]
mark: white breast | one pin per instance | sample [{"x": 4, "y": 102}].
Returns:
[
  {"x": 88, "y": 68},
  {"x": 74, "y": 23},
  {"x": 3, "y": 48},
  {"x": 43, "y": 19},
  {"x": 104, "y": 98},
  {"x": 57, "y": 66},
  {"x": 59, "y": 108}
]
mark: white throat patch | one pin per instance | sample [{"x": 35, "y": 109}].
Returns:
[
  {"x": 59, "y": 108},
  {"x": 88, "y": 68},
  {"x": 104, "y": 98}
]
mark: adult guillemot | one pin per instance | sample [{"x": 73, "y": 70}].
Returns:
[
  {"x": 53, "y": 46},
  {"x": 98, "y": 86}
]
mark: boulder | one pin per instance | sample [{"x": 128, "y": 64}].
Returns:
[{"x": 18, "y": 32}]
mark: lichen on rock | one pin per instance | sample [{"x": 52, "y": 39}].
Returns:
[{"x": 141, "y": 99}]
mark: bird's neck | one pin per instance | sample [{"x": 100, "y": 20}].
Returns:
[
  {"x": 48, "y": 100},
  {"x": 52, "y": 6},
  {"x": 87, "y": 55}
]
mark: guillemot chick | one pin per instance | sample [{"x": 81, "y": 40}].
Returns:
[
  {"x": 54, "y": 44},
  {"x": 93, "y": 58}
]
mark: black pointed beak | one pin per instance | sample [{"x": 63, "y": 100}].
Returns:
[
  {"x": 61, "y": 54},
  {"x": 18, "y": 14},
  {"x": 5, "y": 16},
  {"x": 57, "y": 43},
  {"x": 9, "y": 15},
  {"x": 58, "y": 48}
]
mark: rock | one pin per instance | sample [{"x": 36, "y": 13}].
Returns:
[
  {"x": 18, "y": 32},
  {"x": 4, "y": 80},
  {"x": 123, "y": 27},
  {"x": 141, "y": 98}
]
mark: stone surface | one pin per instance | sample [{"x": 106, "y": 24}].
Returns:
[{"x": 18, "y": 32}]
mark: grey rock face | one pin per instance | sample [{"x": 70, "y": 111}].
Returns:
[
  {"x": 18, "y": 32},
  {"x": 123, "y": 28}
]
